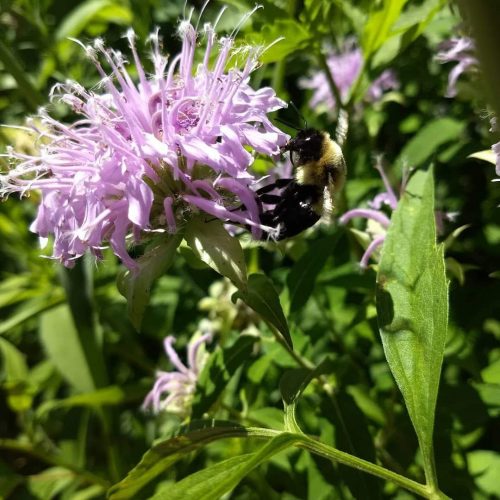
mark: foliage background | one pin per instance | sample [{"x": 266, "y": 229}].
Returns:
[{"x": 71, "y": 423}]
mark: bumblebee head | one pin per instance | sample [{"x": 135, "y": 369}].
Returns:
[{"x": 306, "y": 146}]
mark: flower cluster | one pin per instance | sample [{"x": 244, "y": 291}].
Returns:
[
  {"x": 377, "y": 220},
  {"x": 345, "y": 66},
  {"x": 459, "y": 50},
  {"x": 147, "y": 154},
  {"x": 462, "y": 51},
  {"x": 173, "y": 391}
]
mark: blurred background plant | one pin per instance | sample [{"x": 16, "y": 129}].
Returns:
[{"x": 74, "y": 370}]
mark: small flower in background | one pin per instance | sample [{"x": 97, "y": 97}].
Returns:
[
  {"x": 173, "y": 391},
  {"x": 345, "y": 66},
  {"x": 147, "y": 154},
  {"x": 459, "y": 50},
  {"x": 377, "y": 220},
  {"x": 462, "y": 51}
]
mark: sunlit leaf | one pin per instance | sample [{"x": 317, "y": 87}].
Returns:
[
  {"x": 412, "y": 306},
  {"x": 167, "y": 452},
  {"x": 212, "y": 482},
  {"x": 101, "y": 10},
  {"x": 262, "y": 297},
  {"x": 427, "y": 141},
  {"x": 378, "y": 27},
  {"x": 63, "y": 347},
  {"x": 212, "y": 244},
  {"x": 136, "y": 285}
]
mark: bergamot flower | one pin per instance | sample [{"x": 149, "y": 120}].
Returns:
[{"x": 148, "y": 153}]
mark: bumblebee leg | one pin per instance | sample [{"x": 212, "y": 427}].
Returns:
[
  {"x": 279, "y": 184},
  {"x": 270, "y": 199}
]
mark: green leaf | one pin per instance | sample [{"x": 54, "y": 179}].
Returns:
[
  {"x": 99, "y": 10},
  {"x": 78, "y": 283},
  {"x": 261, "y": 296},
  {"x": 32, "y": 307},
  {"x": 136, "y": 285},
  {"x": 212, "y": 244},
  {"x": 166, "y": 453},
  {"x": 409, "y": 26},
  {"x": 50, "y": 482},
  {"x": 426, "y": 142},
  {"x": 292, "y": 385},
  {"x": 302, "y": 277},
  {"x": 14, "y": 364},
  {"x": 353, "y": 436},
  {"x": 216, "y": 480},
  {"x": 218, "y": 371},
  {"x": 16, "y": 377},
  {"x": 296, "y": 37},
  {"x": 294, "y": 382},
  {"x": 107, "y": 396},
  {"x": 378, "y": 28},
  {"x": 412, "y": 306},
  {"x": 64, "y": 348},
  {"x": 485, "y": 464}
]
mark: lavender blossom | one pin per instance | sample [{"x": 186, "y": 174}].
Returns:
[
  {"x": 460, "y": 50},
  {"x": 377, "y": 220},
  {"x": 345, "y": 66},
  {"x": 173, "y": 391},
  {"x": 147, "y": 154}
]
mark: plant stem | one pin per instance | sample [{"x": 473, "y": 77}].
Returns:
[
  {"x": 301, "y": 361},
  {"x": 11, "y": 444},
  {"x": 27, "y": 89},
  {"x": 358, "y": 463},
  {"x": 305, "y": 442}
]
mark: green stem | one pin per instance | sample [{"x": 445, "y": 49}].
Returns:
[
  {"x": 363, "y": 465},
  {"x": 323, "y": 450},
  {"x": 12, "y": 66},
  {"x": 10, "y": 444},
  {"x": 301, "y": 361},
  {"x": 331, "y": 82}
]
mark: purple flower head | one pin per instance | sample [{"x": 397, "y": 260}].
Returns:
[
  {"x": 345, "y": 66},
  {"x": 147, "y": 153},
  {"x": 377, "y": 220},
  {"x": 460, "y": 50},
  {"x": 173, "y": 391}
]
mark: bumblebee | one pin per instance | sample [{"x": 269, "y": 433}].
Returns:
[{"x": 320, "y": 172}]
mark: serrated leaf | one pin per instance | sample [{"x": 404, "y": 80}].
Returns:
[
  {"x": 302, "y": 277},
  {"x": 218, "y": 371},
  {"x": 262, "y": 297},
  {"x": 167, "y": 452},
  {"x": 412, "y": 307},
  {"x": 212, "y": 244},
  {"x": 136, "y": 285},
  {"x": 214, "y": 481}
]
